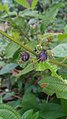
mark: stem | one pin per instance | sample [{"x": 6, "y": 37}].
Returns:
[
  {"x": 18, "y": 97},
  {"x": 19, "y": 43},
  {"x": 57, "y": 63},
  {"x": 65, "y": 58},
  {"x": 28, "y": 49}
]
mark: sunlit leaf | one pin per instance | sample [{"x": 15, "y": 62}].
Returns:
[
  {"x": 62, "y": 36},
  {"x": 23, "y": 3},
  {"x": 34, "y": 3}
]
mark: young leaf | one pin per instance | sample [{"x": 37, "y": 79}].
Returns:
[
  {"x": 23, "y": 3},
  {"x": 1, "y": 7},
  {"x": 34, "y": 3},
  {"x": 62, "y": 36}
]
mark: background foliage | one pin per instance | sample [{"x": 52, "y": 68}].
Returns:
[{"x": 36, "y": 89}]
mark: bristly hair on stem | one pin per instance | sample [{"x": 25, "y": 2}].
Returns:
[{"x": 19, "y": 43}]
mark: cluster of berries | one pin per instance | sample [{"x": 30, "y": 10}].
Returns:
[{"x": 42, "y": 56}]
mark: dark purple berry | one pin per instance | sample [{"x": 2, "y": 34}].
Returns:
[
  {"x": 25, "y": 56},
  {"x": 42, "y": 56}
]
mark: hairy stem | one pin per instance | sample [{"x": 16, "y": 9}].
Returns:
[
  {"x": 19, "y": 43},
  {"x": 57, "y": 63}
]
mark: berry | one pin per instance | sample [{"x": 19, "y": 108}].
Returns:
[
  {"x": 25, "y": 56},
  {"x": 42, "y": 56}
]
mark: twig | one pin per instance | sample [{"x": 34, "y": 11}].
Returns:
[
  {"x": 57, "y": 63},
  {"x": 19, "y": 43}
]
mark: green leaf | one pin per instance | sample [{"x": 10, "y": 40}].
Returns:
[
  {"x": 6, "y": 8},
  {"x": 62, "y": 36},
  {"x": 1, "y": 7},
  {"x": 51, "y": 14},
  {"x": 41, "y": 66},
  {"x": 51, "y": 111},
  {"x": 29, "y": 13},
  {"x": 1, "y": 99},
  {"x": 63, "y": 72},
  {"x": 11, "y": 49},
  {"x": 35, "y": 116},
  {"x": 7, "y": 68},
  {"x": 34, "y": 3},
  {"x": 9, "y": 14},
  {"x": 26, "y": 4},
  {"x": 26, "y": 70},
  {"x": 60, "y": 50},
  {"x": 7, "y": 112},
  {"x": 54, "y": 85},
  {"x": 29, "y": 101},
  {"x": 65, "y": 29},
  {"x": 8, "y": 95},
  {"x": 2, "y": 63},
  {"x": 53, "y": 11},
  {"x": 64, "y": 104},
  {"x": 23, "y": 3},
  {"x": 28, "y": 114}
]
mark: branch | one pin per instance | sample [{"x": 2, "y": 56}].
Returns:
[
  {"x": 19, "y": 43},
  {"x": 57, "y": 63}
]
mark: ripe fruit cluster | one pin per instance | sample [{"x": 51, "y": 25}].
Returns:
[{"x": 42, "y": 56}]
